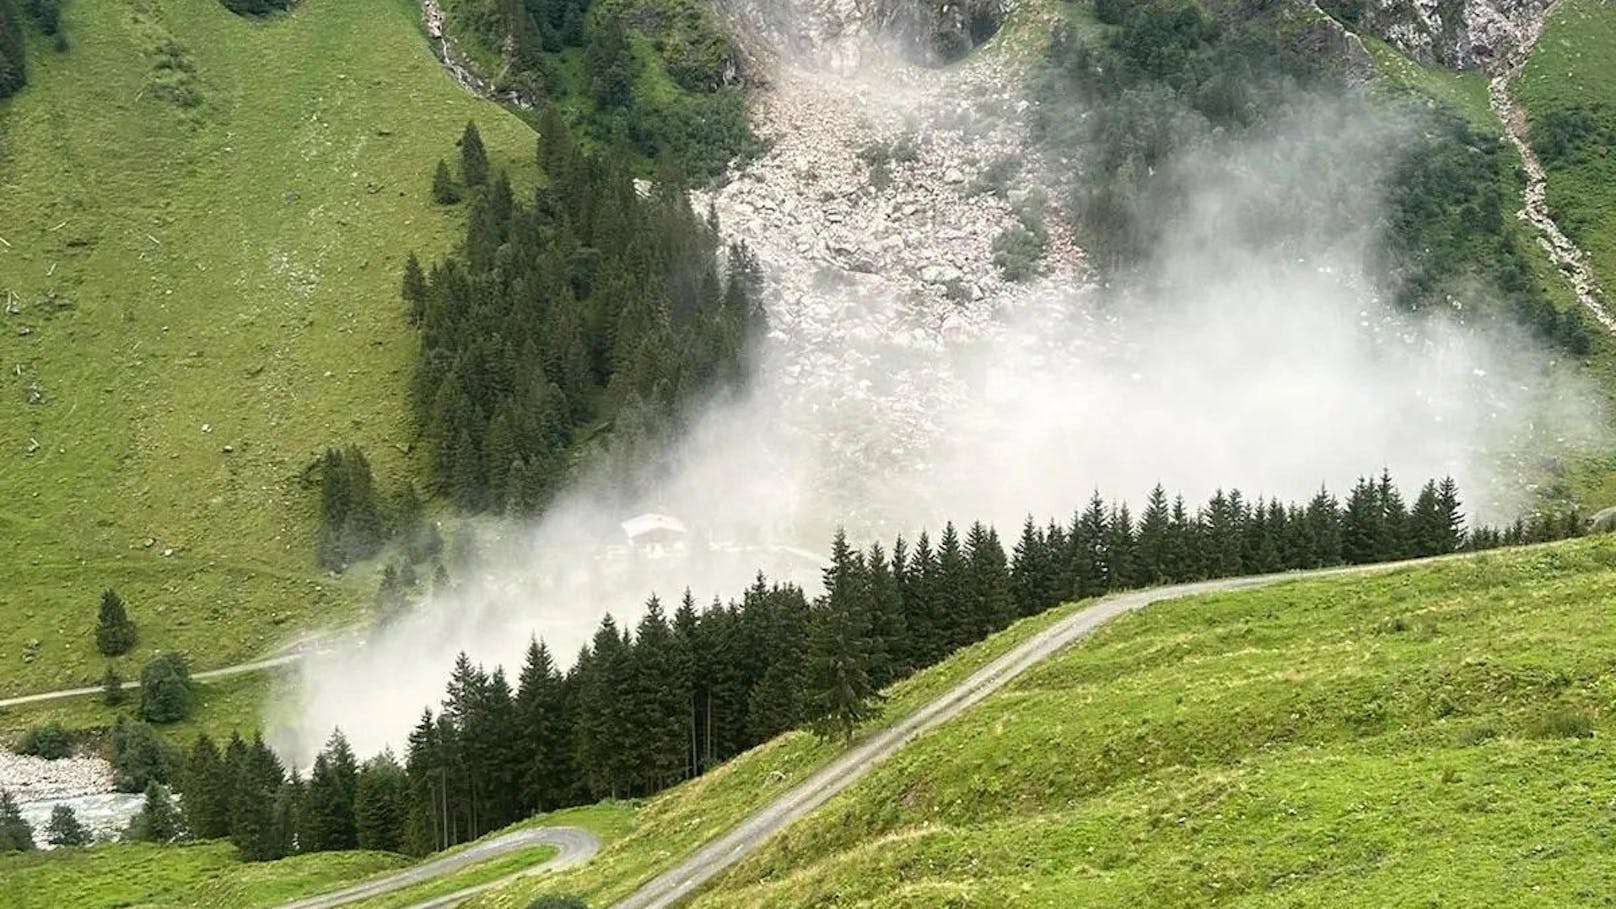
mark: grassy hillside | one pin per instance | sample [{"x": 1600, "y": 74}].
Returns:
[
  {"x": 1569, "y": 91},
  {"x": 682, "y": 819},
  {"x": 209, "y": 876},
  {"x": 205, "y": 265},
  {"x": 1438, "y": 736}
]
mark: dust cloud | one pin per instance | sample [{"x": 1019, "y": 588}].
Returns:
[{"x": 1253, "y": 353}]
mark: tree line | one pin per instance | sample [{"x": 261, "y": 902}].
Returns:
[
  {"x": 642, "y": 709},
  {"x": 599, "y": 304}
]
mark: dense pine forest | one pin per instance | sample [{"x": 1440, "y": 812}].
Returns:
[
  {"x": 642, "y": 709},
  {"x": 604, "y": 302},
  {"x": 1167, "y": 79}
]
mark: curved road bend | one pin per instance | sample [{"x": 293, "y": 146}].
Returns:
[
  {"x": 681, "y": 880},
  {"x": 573, "y": 845}
]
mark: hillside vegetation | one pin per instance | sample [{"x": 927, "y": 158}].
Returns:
[
  {"x": 1569, "y": 91},
  {"x": 1434, "y": 736},
  {"x": 202, "y": 294}
]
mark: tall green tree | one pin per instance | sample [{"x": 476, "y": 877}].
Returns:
[
  {"x": 15, "y": 834},
  {"x": 381, "y": 799},
  {"x": 114, "y": 632},
  {"x": 473, "y": 157},
  {"x": 840, "y": 692}
]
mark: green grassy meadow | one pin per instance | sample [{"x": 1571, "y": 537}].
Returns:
[
  {"x": 1437, "y": 736},
  {"x": 206, "y": 298}
]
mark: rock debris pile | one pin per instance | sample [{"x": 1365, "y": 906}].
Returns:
[{"x": 874, "y": 212}]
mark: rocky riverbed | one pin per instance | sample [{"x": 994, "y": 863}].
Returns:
[{"x": 83, "y": 784}]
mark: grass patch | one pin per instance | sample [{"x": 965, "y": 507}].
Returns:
[
  {"x": 206, "y": 298},
  {"x": 1282, "y": 747},
  {"x": 204, "y": 876},
  {"x": 234, "y": 704}
]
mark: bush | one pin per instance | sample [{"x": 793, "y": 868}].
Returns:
[
  {"x": 165, "y": 689},
  {"x": 49, "y": 741}
]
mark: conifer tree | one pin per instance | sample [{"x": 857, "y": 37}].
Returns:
[
  {"x": 205, "y": 786},
  {"x": 444, "y": 191},
  {"x": 1155, "y": 525},
  {"x": 380, "y": 804},
  {"x": 473, "y": 157},
  {"x": 545, "y": 723},
  {"x": 15, "y": 834},
  {"x": 991, "y": 606},
  {"x": 114, "y": 633},
  {"x": 13, "y": 55},
  {"x": 158, "y": 820},
  {"x": 414, "y": 291},
  {"x": 165, "y": 689},
  {"x": 64, "y": 828},
  {"x": 840, "y": 693},
  {"x": 139, "y": 757},
  {"x": 333, "y": 783}
]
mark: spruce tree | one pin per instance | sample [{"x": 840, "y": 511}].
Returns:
[
  {"x": 64, "y": 828},
  {"x": 205, "y": 788},
  {"x": 114, "y": 633},
  {"x": 414, "y": 291},
  {"x": 15, "y": 834},
  {"x": 840, "y": 693},
  {"x": 380, "y": 804},
  {"x": 332, "y": 786},
  {"x": 473, "y": 157},
  {"x": 158, "y": 820},
  {"x": 444, "y": 191},
  {"x": 13, "y": 52},
  {"x": 1155, "y": 523},
  {"x": 546, "y": 730}
]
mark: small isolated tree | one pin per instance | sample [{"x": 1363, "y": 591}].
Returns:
[
  {"x": 49, "y": 741},
  {"x": 165, "y": 689},
  {"x": 112, "y": 693},
  {"x": 158, "y": 820},
  {"x": 473, "y": 157},
  {"x": 15, "y": 834},
  {"x": 444, "y": 191},
  {"x": 64, "y": 828},
  {"x": 114, "y": 633}
]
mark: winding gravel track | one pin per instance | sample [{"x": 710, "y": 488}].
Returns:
[
  {"x": 275, "y": 662},
  {"x": 572, "y": 844},
  {"x": 706, "y": 863}
]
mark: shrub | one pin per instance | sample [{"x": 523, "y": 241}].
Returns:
[
  {"x": 165, "y": 689},
  {"x": 15, "y": 834},
  {"x": 49, "y": 741},
  {"x": 1561, "y": 722},
  {"x": 558, "y": 901}
]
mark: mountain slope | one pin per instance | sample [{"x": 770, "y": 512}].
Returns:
[
  {"x": 204, "y": 273},
  {"x": 1434, "y": 734}
]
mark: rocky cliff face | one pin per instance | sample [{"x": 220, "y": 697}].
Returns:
[{"x": 1461, "y": 34}]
